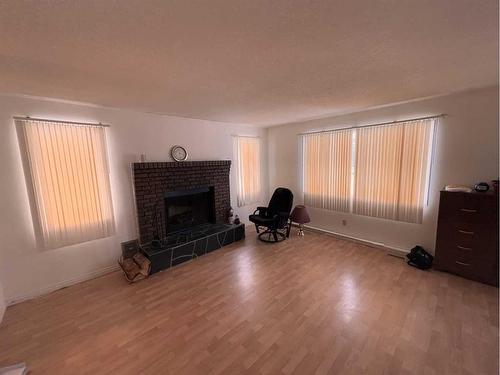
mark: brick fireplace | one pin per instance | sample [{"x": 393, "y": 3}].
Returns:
[{"x": 153, "y": 180}]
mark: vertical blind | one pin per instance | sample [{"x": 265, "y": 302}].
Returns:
[
  {"x": 248, "y": 169},
  {"x": 69, "y": 177},
  {"x": 378, "y": 171},
  {"x": 327, "y": 170},
  {"x": 391, "y": 170}
]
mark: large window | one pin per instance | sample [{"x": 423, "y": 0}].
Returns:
[
  {"x": 68, "y": 177},
  {"x": 247, "y": 150},
  {"x": 327, "y": 170},
  {"x": 378, "y": 171}
]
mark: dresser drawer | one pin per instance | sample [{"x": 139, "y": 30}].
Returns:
[
  {"x": 469, "y": 263},
  {"x": 467, "y": 208},
  {"x": 472, "y": 269},
  {"x": 474, "y": 256},
  {"x": 467, "y": 236}
]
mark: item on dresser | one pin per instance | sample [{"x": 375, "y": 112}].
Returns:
[
  {"x": 467, "y": 236},
  {"x": 461, "y": 188},
  {"x": 481, "y": 187},
  {"x": 495, "y": 186}
]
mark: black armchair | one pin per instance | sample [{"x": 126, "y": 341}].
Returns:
[{"x": 275, "y": 217}]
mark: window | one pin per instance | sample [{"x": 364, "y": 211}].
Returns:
[
  {"x": 327, "y": 170},
  {"x": 68, "y": 174},
  {"x": 248, "y": 169},
  {"x": 378, "y": 171}
]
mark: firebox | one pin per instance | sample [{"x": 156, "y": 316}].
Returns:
[{"x": 188, "y": 208}]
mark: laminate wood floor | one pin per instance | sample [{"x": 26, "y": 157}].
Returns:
[{"x": 312, "y": 305}]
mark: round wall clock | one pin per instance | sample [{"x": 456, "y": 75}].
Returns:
[{"x": 179, "y": 153}]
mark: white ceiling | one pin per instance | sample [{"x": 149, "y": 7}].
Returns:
[{"x": 260, "y": 62}]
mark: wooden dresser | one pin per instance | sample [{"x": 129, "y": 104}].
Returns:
[{"x": 467, "y": 236}]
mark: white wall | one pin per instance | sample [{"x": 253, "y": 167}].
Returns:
[
  {"x": 466, "y": 152},
  {"x": 26, "y": 271},
  {"x": 2, "y": 303}
]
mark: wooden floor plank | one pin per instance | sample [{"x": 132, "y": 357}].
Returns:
[{"x": 311, "y": 305}]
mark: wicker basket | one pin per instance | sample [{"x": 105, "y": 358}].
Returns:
[{"x": 135, "y": 268}]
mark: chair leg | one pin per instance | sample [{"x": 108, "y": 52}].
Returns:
[
  {"x": 257, "y": 228},
  {"x": 272, "y": 236},
  {"x": 288, "y": 229}
]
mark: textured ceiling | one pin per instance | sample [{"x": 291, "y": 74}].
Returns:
[{"x": 247, "y": 61}]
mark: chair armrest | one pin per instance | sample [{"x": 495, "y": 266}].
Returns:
[
  {"x": 281, "y": 215},
  {"x": 261, "y": 210}
]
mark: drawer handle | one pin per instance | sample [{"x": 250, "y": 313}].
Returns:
[
  {"x": 466, "y": 232},
  {"x": 462, "y": 263},
  {"x": 468, "y": 210},
  {"x": 464, "y": 248}
]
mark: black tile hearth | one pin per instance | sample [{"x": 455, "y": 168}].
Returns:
[{"x": 191, "y": 243}]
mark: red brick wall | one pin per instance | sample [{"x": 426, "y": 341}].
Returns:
[{"x": 152, "y": 180}]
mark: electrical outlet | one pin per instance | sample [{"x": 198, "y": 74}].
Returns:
[{"x": 344, "y": 222}]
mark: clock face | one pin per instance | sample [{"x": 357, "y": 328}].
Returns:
[{"x": 179, "y": 153}]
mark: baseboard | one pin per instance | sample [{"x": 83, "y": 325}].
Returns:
[
  {"x": 103, "y": 271},
  {"x": 394, "y": 251},
  {"x": 60, "y": 285}
]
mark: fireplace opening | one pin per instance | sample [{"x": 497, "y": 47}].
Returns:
[{"x": 188, "y": 208}]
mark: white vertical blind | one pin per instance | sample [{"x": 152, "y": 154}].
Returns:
[
  {"x": 327, "y": 170},
  {"x": 378, "y": 166},
  {"x": 378, "y": 171},
  {"x": 70, "y": 180},
  {"x": 248, "y": 169},
  {"x": 391, "y": 170}
]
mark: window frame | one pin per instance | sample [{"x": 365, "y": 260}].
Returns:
[
  {"x": 354, "y": 129},
  {"x": 244, "y": 198},
  {"x": 97, "y": 162}
]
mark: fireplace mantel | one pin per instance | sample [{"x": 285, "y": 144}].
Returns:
[{"x": 153, "y": 179}]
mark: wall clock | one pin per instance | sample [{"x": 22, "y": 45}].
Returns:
[{"x": 179, "y": 153}]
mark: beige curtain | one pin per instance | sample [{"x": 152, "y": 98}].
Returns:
[
  {"x": 327, "y": 170},
  {"x": 391, "y": 170},
  {"x": 248, "y": 170},
  {"x": 69, "y": 176}
]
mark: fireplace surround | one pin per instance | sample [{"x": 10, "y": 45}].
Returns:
[
  {"x": 153, "y": 180},
  {"x": 182, "y": 210}
]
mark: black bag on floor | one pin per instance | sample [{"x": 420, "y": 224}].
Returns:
[{"x": 420, "y": 258}]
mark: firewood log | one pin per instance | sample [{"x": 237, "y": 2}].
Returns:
[{"x": 143, "y": 263}]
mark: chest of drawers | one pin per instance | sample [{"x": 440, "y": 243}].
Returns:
[{"x": 467, "y": 236}]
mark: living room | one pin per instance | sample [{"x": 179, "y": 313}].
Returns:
[{"x": 237, "y": 187}]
